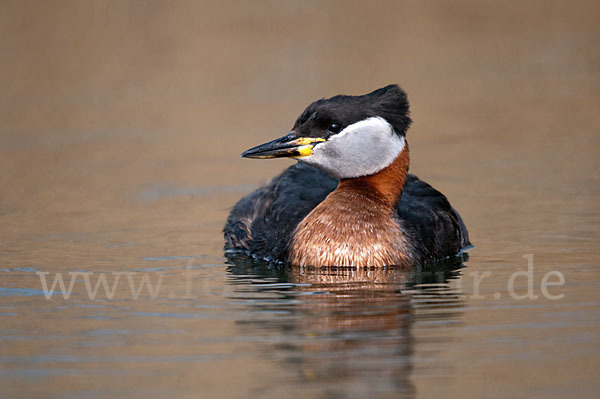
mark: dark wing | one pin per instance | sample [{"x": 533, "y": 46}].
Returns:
[
  {"x": 262, "y": 223},
  {"x": 436, "y": 229}
]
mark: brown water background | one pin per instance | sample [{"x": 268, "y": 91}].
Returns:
[{"x": 120, "y": 129}]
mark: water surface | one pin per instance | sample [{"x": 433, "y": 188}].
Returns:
[{"x": 121, "y": 126}]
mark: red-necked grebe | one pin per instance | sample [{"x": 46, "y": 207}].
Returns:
[{"x": 349, "y": 201}]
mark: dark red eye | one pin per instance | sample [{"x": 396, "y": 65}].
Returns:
[{"x": 334, "y": 128}]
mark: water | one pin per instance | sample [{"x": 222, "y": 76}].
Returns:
[{"x": 121, "y": 126}]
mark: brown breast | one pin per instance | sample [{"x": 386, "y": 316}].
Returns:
[{"x": 355, "y": 224}]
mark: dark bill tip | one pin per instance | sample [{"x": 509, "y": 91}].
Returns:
[{"x": 288, "y": 146}]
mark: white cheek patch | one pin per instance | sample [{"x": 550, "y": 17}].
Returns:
[{"x": 361, "y": 149}]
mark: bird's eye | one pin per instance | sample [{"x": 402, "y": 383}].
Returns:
[{"x": 335, "y": 128}]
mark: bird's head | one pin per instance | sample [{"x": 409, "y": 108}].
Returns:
[{"x": 346, "y": 136}]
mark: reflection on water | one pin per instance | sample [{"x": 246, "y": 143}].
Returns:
[{"x": 346, "y": 332}]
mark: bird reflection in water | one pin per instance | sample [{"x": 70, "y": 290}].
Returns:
[{"x": 344, "y": 332}]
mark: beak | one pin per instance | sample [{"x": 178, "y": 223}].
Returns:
[{"x": 288, "y": 146}]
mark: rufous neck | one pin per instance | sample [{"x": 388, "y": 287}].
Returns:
[{"x": 387, "y": 184}]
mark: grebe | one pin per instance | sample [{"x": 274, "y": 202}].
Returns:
[{"x": 349, "y": 201}]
